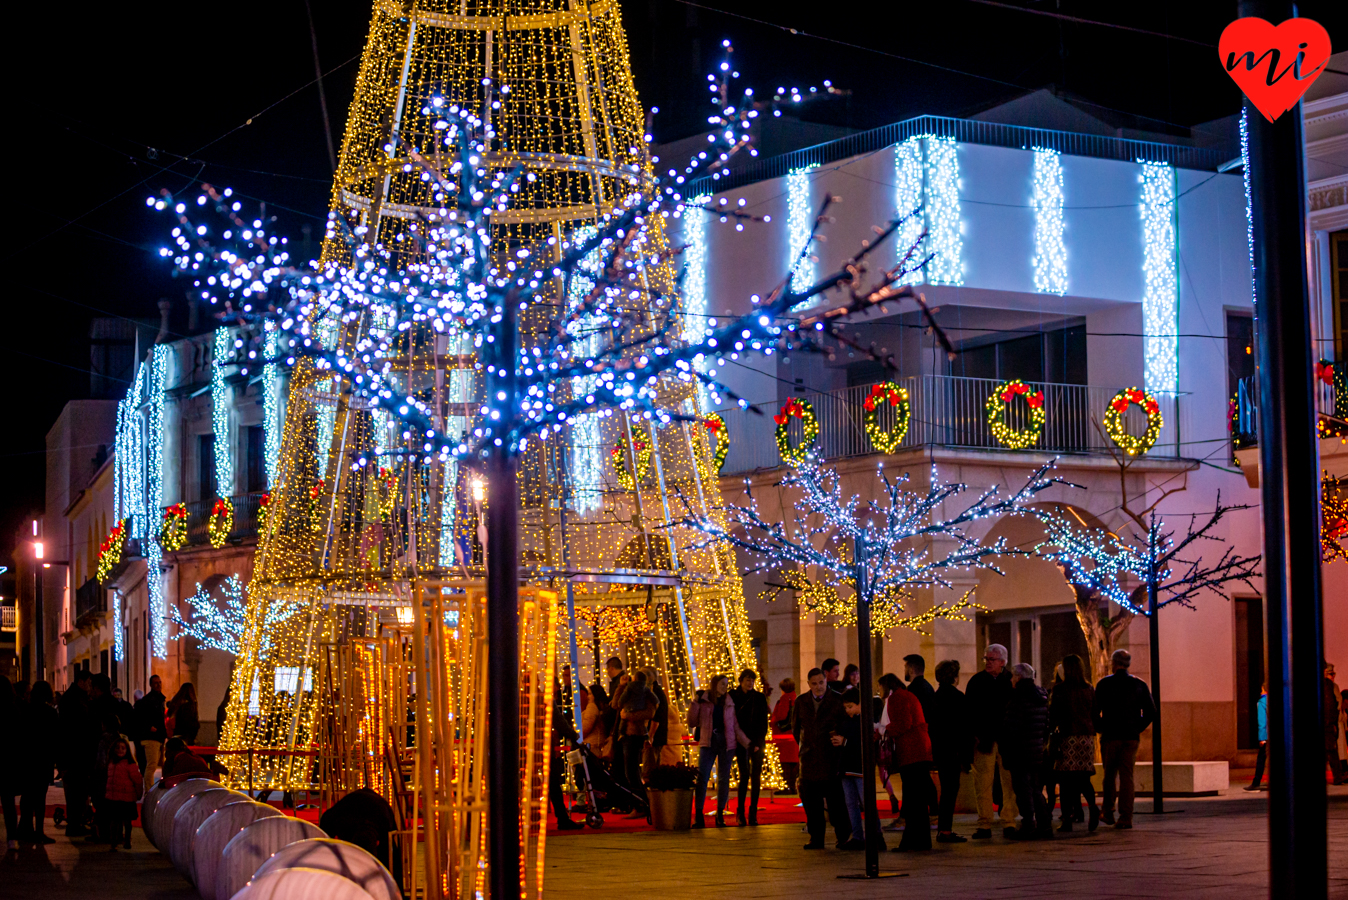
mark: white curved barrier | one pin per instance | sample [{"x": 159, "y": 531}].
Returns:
[
  {"x": 301, "y": 884},
  {"x": 147, "y": 805},
  {"x": 252, "y": 846},
  {"x": 214, "y": 834},
  {"x": 339, "y": 857},
  {"x": 189, "y": 818},
  {"x": 161, "y": 822}
]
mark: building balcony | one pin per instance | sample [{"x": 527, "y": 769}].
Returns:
[
  {"x": 245, "y": 520},
  {"x": 91, "y": 601},
  {"x": 946, "y": 411},
  {"x": 1331, "y": 407}
]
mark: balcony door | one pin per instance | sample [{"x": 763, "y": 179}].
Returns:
[{"x": 1040, "y": 637}]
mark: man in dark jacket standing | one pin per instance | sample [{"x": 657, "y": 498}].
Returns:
[
  {"x": 1123, "y": 710},
  {"x": 915, "y": 673},
  {"x": 150, "y": 729},
  {"x": 751, "y": 711},
  {"x": 80, "y": 731},
  {"x": 952, "y": 745},
  {"x": 817, "y": 716},
  {"x": 1023, "y": 738},
  {"x": 986, "y": 696}
]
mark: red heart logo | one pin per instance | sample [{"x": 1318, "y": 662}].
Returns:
[{"x": 1274, "y": 65}]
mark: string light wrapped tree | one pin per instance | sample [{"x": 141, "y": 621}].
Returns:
[
  {"x": 878, "y": 552},
  {"x": 439, "y": 347},
  {"x": 1142, "y": 573}
]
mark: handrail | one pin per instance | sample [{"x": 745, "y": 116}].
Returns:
[{"x": 965, "y": 131}]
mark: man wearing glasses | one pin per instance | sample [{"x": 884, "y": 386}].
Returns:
[{"x": 987, "y": 696}]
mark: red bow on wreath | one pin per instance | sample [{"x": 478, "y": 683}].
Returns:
[
  {"x": 1324, "y": 371},
  {"x": 712, "y": 425},
  {"x": 1035, "y": 400},
  {"x": 1151, "y": 407},
  {"x": 869, "y": 403}
]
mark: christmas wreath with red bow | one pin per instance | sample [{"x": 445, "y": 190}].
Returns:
[
  {"x": 1000, "y": 401},
  {"x": 1133, "y": 445},
  {"x": 643, "y": 460},
  {"x": 221, "y": 522},
  {"x": 720, "y": 436},
  {"x": 173, "y": 529},
  {"x": 110, "y": 551},
  {"x": 796, "y": 408},
  {"x": 887, "y": 393}
]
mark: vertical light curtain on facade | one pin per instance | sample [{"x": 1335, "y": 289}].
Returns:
[
  {"x": 1050, "y": 253},
  {"x": 799, "y": 224},
  {"x": 220, "y": 403},
  {"x": 926, "y": 181},
  {"x": 695, "y": 225},
  {"x": 1160, "y": 298}
]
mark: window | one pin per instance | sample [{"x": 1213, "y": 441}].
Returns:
[
  {"x": 1240, "y": 377},
  {"x": 257, "y": 461},
  {"x": 1048, "y": 357},
  {"x": 206, "y": 467}
]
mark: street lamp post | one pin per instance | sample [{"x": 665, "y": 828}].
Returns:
[{"x": 1290, "y": 483}]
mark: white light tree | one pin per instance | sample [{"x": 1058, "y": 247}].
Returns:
[
  {"x": 219, "y": 623},
  {"x": 1142, "y": 573},
  {"x": 879, "y": 550}
]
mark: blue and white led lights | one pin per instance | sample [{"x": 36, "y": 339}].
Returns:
[
  {"x": 1050, "y": 253},
  {"x": 1160, "y": 298},
  {"x": 799, "y": 226},
  {"x": 927, "y": 179},
  {"x": 220, "y": 403}
]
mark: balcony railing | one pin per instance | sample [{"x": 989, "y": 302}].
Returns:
[
  {"x": 946, "y": 411},
  {"x": 9, "y": 618},
  {"x": 245, "y": 519},
  {"x": 90, "y": 598},
  {"x": 1331, "y": 400}
]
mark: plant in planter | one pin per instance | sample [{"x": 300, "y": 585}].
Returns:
[{"x": 670, "y": 791}]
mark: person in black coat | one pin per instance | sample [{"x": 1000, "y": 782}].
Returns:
[
  {"x": 365, "y": 819},
  {"x": 952, "y": 745},
  {"x": 815, "y": 720},
  {"x": 151, "y": 729},
  {"x": 751, "y": 712},
  {"x": 38, "y": 751},
  {"x": 1123, "y": 709},
  {"x": 80, "y": 731},
  {"x": 914, "y": 672},
  {"x": 1024, "y": 734}
]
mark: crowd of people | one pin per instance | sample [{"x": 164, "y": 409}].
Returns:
[{"x": 85, "y": 736}]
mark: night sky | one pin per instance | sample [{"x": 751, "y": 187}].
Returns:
[{"x": 111, "y": 102}]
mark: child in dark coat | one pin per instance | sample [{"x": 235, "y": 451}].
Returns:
[{"x": 847, "y": 738}]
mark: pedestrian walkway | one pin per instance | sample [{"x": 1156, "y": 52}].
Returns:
[
  {"x": 1212, "y": 848},
  {"x": 78, "y": 870}
]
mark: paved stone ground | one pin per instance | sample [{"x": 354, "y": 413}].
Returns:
[{"x": 1215, "y": 847}]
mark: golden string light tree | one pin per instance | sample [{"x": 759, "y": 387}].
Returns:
[{"x": 386, "y": 525}]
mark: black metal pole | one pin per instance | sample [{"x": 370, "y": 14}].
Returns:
[
  {"x": 875, "y": 841},
  {"x": 503, "y": 653},
  {"x": 1290, "y": 482},
  {"x": 1154, "y": 637}
]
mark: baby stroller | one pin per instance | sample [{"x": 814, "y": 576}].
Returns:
[{"x": 596, "y": 792}]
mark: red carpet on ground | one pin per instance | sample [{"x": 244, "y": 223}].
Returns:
[{"x": 771, "y": 811}]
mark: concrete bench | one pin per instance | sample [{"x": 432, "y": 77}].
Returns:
[{"x": 1203, "y": 778}]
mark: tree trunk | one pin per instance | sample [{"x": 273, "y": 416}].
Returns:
[{"x": 1100, "y": 631}]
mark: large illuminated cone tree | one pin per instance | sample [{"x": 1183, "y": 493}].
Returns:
[
  {"x": 489, "y": 346},
  {"x": 860, "y": 560}
]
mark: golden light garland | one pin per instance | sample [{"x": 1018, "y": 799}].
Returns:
[
  {"x": 824, "y": 599},
  {"x": 221, "y": 522},
  {"x": 110, "y": 551},
  {"x": 797, "y": 409},
  {"x": 173, "y": 529},
  {"x": 1116, "y": 428},
  {"x": 720, "y": 433},
  {"x": 887, "y": 440},
  {"x": 999, "y": 403},
  {"x": 617, "y": 624}
]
